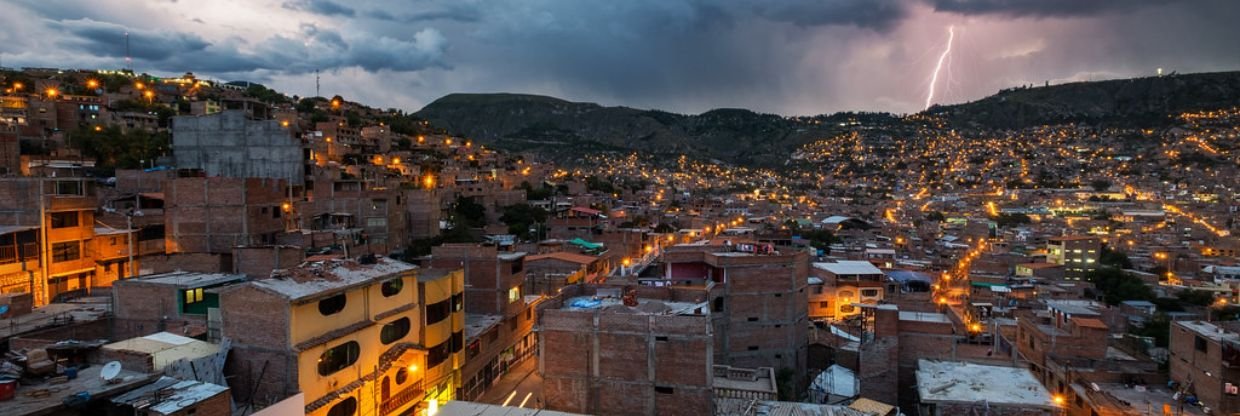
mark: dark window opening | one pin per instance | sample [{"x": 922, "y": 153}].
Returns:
[
  {"x": 438, "y": 311},
  {"x": 332, "y": 305},
  {"x": 392, "y": 287},
  {"x": 663, "y": 390},
  {"x": 339, "y": 357},
  {"x": 394, "y": 331},
  {"x": 346, "y": 407},
  {"x": 64, "y": 219}
]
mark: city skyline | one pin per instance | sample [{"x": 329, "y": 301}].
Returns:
[{"x": 789, "y": 58}]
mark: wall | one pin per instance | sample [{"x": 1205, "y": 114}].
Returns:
[{"x": 230, "y": 144}]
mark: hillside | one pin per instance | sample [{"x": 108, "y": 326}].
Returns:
[
  {"x": 563, "y": 128},
  {"x": 1139, "y": 100}
]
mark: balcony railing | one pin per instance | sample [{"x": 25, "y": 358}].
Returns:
[{"x": 412, "y": 393}]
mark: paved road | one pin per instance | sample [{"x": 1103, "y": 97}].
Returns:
[{"x": 521, "y": 387}]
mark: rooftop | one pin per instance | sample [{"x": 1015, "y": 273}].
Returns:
[
  {"x": 924, "y": 317},
  {"x": 1075, "y": 307},
  {"x": 190, "y": 279},
  {"x": 312, "y": 279},
  {"x": 169, "y": 395},
  {"x": 644, "y": 306},
  {"x": 953, "y": 381},
  {"x": 747, "y": 407},
  {"x": 478, "y": 324},
  {"x": 565, "y": 256},
  {"x": 462, "y": 408},
  {"x": 1209, "y": 330},
  {"x": 848, "y": 267},
  {"x": 748, "y": 379},
  {"x": 88, "y": 381},
  {"x": 165, "y": 347}
]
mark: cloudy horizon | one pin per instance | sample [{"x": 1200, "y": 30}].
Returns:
[{"x": 795, "y": 57}]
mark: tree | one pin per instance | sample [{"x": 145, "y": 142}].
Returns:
[
  {"x": 116, "y": 149},
  {"x": 467, "y": 213},
  {"x": 1112, "y": 258},
  {"x": 1117, "y": 286},
  {"x": 1100, "y": 184},
  {"x": 1196, "y": 297},
  {"x": 521, "y": 217}
]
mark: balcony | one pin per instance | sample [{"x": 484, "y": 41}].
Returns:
[{"x": 413, "y": 393}]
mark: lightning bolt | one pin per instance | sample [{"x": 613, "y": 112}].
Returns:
[{"x": 934, "y": 78}]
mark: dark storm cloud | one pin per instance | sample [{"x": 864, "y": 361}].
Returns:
[
  {"x": 323, "y": 7},
  {"x": 102, "y": 38},
  {"x": 872, "y": 14},
  {"x": 315, "y": 48},
  {"x": 1042, "y": 8}
]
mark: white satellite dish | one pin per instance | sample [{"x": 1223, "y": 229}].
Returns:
[{"x": 110, "y": 371}]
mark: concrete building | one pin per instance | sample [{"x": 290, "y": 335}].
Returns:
[
  {"x": 618, "y": 351},
  {"x": 231, "y": 144},
  {"x": 1205, "y": 361},
  {"x": 1078, "y": 254},
  {"x": 960, "y": 388},
  {"x": 373, "y": 333},
  {"x": 836, "y": 287}
]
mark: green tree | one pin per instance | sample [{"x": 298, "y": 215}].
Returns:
[
  {"x": 1117, "y": 286},
  {"x": 521, "y": 217},
  {"x": 115, "y": 149},
  {"x": 467, "y": 213}
]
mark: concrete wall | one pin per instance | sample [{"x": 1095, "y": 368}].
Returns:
[{"x": 230, "y": 144}]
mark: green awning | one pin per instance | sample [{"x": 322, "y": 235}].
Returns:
[
  {"x": 585, "y": 244},
  {"x": 987, "y": 284}
]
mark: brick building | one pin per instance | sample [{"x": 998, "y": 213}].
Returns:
[
  {"x": 612, "y": 351},
  {"x": 216, "y": 214},
  {"x": 1205, "y": 359},
  {"x": 758, "y": 301}
]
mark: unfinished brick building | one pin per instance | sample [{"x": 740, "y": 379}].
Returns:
[
  {"x": 612, "y": 351},
  {"x": 759, "y": 306},
  {"x": 216, "y": 214}
]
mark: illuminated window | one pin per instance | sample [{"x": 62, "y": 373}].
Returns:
[
  {"x": 193, "y": 295},
  {"x": 514, "y": 294}
]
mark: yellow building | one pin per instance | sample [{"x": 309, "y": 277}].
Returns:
[{"x": 357, "y": 337}]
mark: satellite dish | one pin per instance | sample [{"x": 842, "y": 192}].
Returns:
[{"x": 110, "y": 370}]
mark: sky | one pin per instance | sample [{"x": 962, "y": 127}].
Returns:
[{"x": 788, "y": 57}]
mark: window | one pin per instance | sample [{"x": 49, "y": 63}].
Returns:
[
  {"x": 752, "y": 348},
  {"x": 1200, "y": 344},
  {"x": 514, "y": 294},
  {"x": 518, "y": 265},
  {"x": 752, "y": 319},
  {"x": 193, "y": 295},
  {"x": 824, "y": 304},
  {"x": 332, "y": 305},
  {"x": 846, "y": 294},
  {"x": 339, "y": 357},
  {"x": 69, "y": 188},
  {"x": 718, "y": 305},
  {"x": 663, "y": 390},
  {"x": 376, "y": 222},
  {"x": 402, "y": 375},
  {"x": 394, "y": 331},
  {"x": 458, "y": 302},
  {"x": 64, "y": 219},
  {"x": 392, "y": 287},
  {"x": 438, "y": 311},
  {"x": 847, "y": 309},
  {"x": 869, "y": 293},
  {"x": 67, "y": 251},
  {"x": 275, "y": 212},
  {"x": 660, "y": 338},
  {"x": 346, "y": 407},
  {"x": 817, "y": 290}
]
